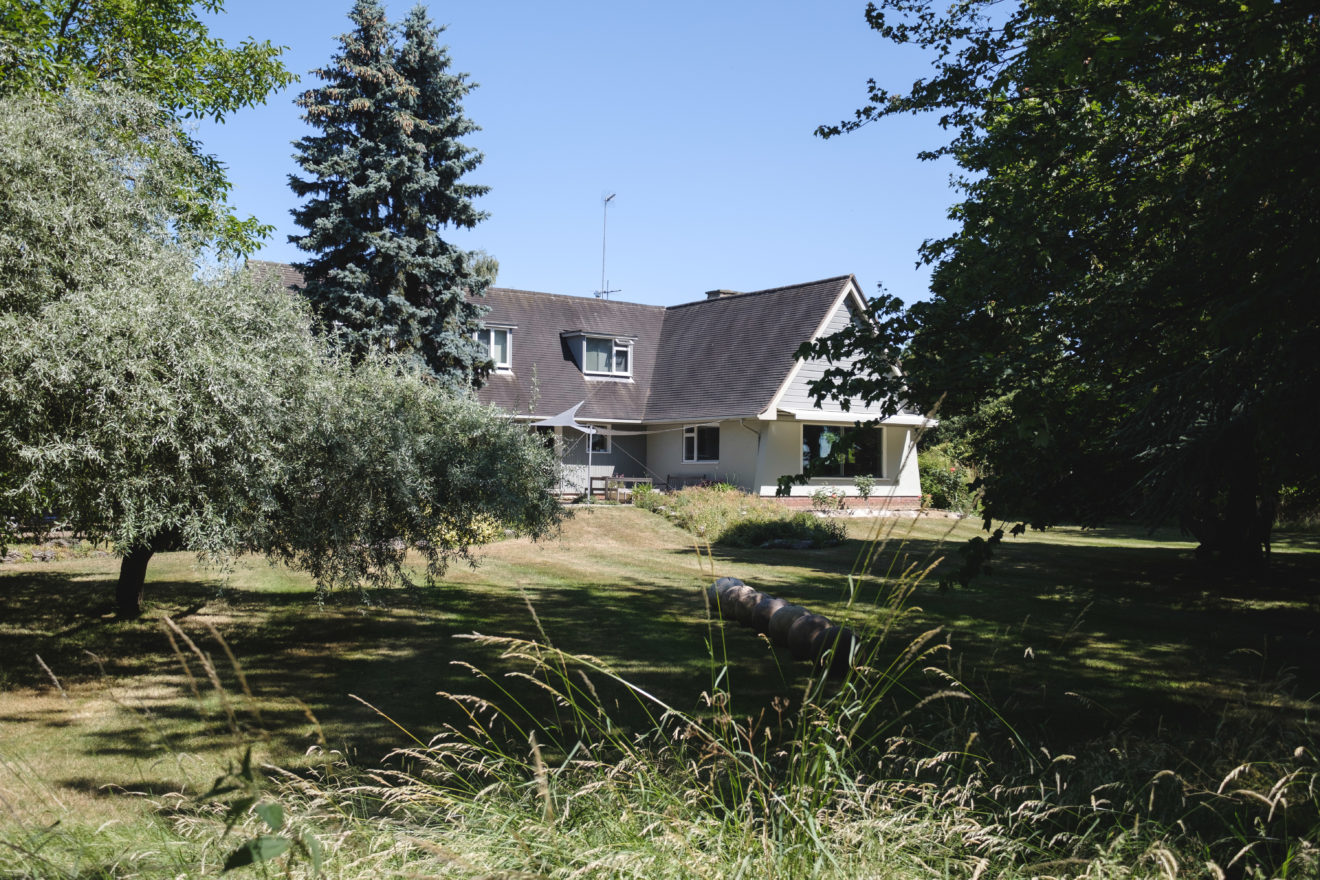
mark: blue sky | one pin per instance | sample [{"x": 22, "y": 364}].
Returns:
[{"x": 699, "y": 116}]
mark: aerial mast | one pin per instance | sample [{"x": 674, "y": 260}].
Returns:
[{"x": 604, "y": 291}]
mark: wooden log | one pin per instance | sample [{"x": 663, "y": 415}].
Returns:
[
  {"x": 821, "y": 640},
  {"x": 716, "y": 590},
  {"x": 729, "y": 599},
  {"x": 805, "y": 635},
  {"x": 801, "y": 634},
  {"x": 745, "y": 603},
  {"x": 780, "y": 622},
  {"x": 764, "y": 610},
  {"x": 838, "y": 651}
]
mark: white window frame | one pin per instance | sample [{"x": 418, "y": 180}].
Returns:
[
  {"x": 617, "y": 345},
  {"x": 591, "y": 440},
  {"x": 691, "y": 432},
  {"x": 488, "y": 342}
]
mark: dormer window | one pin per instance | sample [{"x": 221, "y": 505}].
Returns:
[
  {"x": 609, "y": 356},
  {"x": 601, "y": 355},
  {"x": 498, "y": 342}
]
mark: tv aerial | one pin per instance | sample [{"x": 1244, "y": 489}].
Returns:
[{"x": 604, "y": 291}]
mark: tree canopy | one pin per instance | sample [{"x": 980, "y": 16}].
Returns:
[
  {"x": 382, "y": 180},
  {"x": 147, "y": 406},
  {"x": 162, "y": 50},
  {"x": 1128, "y": 307}
]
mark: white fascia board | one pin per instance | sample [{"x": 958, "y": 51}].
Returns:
[
  {"x": 834, "y": 417},
  {"x": 850, "y": 288}
]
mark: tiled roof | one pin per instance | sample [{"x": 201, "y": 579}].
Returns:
[
  {"x": 726, "y": 357},
  {"x": 557, "y": 383},
  {"x": 288, "y": 277},
  {"x": 716, "y": 358}
]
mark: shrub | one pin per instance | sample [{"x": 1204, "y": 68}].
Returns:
[
  {"x": 724, "y": 514},
  {"x": 827, "y": 499},
  {"x": 946, "y": 480},
  {"x": 646, "y": 496},
  {"x": 801, "y": 526}
]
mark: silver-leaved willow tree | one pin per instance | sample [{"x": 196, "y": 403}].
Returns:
[
  {"x": 382, "y": 179},
  {"x": 152, "y": 406}
]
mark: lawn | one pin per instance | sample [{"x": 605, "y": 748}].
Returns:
[{"x": 1074, "y": 636}]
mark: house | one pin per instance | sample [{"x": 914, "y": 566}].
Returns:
[
  {"x": 703, "y": 391},
  {"x": 707, "y": 390}
]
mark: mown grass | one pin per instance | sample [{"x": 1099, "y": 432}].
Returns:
[{"x": 1091, "y": 640}]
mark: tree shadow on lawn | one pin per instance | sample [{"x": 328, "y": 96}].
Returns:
[
  {"x": 1068, "y": 638},
  {"x": 396, "y": 657}
]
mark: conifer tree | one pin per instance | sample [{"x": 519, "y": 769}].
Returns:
[{"x": 383, "y": 177}]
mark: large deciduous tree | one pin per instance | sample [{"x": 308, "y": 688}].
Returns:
[
  {"x": 162, "y": 50},
  {"x": 1129, "y": 306},
  {"x": 153, "y": 408},
  {"x": 382, "y": 181}
]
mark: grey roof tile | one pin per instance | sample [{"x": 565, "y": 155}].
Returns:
[
  {"x": 726, "y": 357},
  {"x": 288, "y": 277},
  {"x": 716, "y": 358},
  {"x": 545, "y": 378}
]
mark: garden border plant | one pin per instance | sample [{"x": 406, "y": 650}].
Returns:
[{"x": 724, "y": 514}]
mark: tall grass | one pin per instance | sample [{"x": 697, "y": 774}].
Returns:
[
  {"x": 893, "y": 770},
  {"x": 896, "y": 770}
]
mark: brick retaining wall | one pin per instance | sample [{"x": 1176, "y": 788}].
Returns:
[{"x": 902, "y": 502}]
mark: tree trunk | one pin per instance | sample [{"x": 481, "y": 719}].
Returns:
[
  {"x": 1239, "y": 536},
  {"x": 132, "y": 576}
]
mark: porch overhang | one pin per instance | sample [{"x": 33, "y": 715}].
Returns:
[{"x": 823, "y": 417}]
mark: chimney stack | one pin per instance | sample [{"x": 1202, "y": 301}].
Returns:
[{"x": 720, "y": 294}]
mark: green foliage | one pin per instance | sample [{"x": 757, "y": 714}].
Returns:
[
  {"x": 381, "y": 181},
  {"x": 645, "y": 496},
  {"x": 724, "y": 514},
  {"x": 800, "y": 527},
  {"x": 88, "y": 193},
  {"x": 390, "y": 461},
  {"x": 162, "y": 51},
  {"x": 163, "y": 404},
  {"x": 145, "y": 403},
  {"x": 1129, "y": 283},
  {"x": 828, "y": 499},
  {"x": 946, "y": 480},
  {"x": 241, "y": 792}
]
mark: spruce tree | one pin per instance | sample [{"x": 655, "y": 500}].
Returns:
[{"x": 382, "y": 179}]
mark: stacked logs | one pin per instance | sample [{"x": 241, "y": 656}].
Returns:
[{"x": 805, "y": 635}]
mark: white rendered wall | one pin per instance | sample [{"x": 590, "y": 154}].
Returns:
[{"x": 737, "y": 463}]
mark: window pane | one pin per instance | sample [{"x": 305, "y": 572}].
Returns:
[
  {"x": 817, "y": 442},
  {"x": 621, "y": 360},
  {"x": 499, "y": 346},
  {"x": 865, "y": 455},
  {"x": 708, "y": 444},
  {"x": 599, "y": 352},
  {"x": 600, "y": 442}
]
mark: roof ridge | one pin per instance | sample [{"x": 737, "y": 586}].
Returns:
[
  {"x": 727, "y": 297},
  {"x": 591, "y": 299}
]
